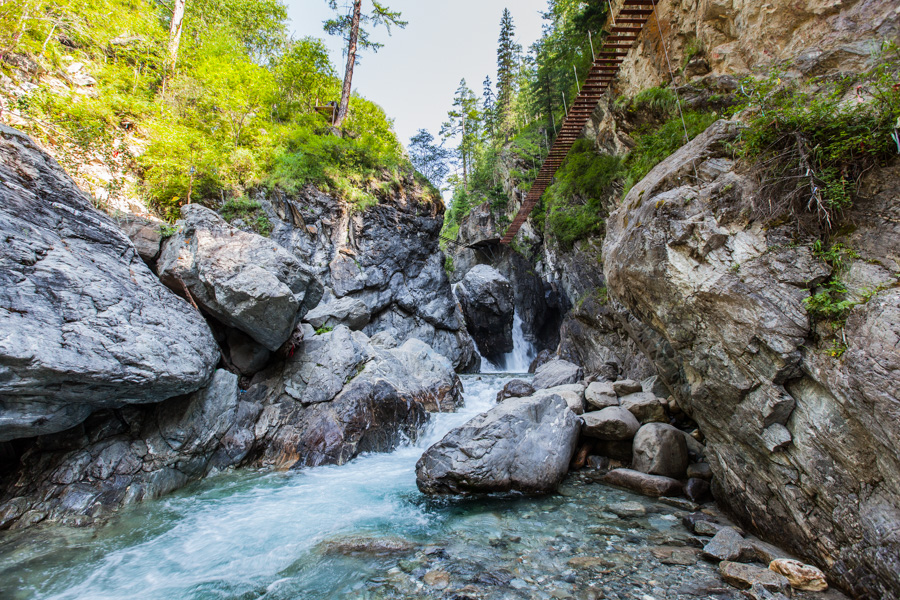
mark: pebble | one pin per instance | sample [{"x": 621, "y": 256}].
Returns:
[
  {"x": 627, "y": 510},
  {"x": 437, "y": 579},
  {"x": 745, "y": 576}
]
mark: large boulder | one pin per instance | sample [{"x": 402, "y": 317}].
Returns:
[
  {"x": 339, "y": 311},
  {"x": 486, "y": 298},
  {"x": 523, "y": 444},
  {"x": 556, "y": 373},
  {"x": 84, "y": 324},
  {"x": 244, "y": 280},
  {"x": 660, "y": 449},
  {"x": 613, "y": 423}
]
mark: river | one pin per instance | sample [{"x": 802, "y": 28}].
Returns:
[{"x": 363, "y": 530}]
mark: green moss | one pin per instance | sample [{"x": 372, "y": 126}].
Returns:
[{"x": 248, "y": 211}]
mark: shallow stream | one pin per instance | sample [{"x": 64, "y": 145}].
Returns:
[{"x": 363, "y": 530}]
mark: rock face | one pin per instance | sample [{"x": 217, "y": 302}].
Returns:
[
  {"x": 84, "y": 324},
  {"x": 486, "y": 298},
  {"x": 244, "y": 280},
  {"x": 793, "y": 434},
  {"x": 295, "y": 414},
  {"x": 386, "y": 257},
  {"x": 523, "y": 444}
]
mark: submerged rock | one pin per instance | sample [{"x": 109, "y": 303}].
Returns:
[
  {"x": 245, "y": 280},
  {"x": 84, "y": 324},
  {"x": 486, "y": 298},
  {"x": 523, "y": 444}
]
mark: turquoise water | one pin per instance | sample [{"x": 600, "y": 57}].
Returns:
[{"x": 361, "y": 530}]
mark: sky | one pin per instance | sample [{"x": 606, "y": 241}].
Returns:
[{"x": 417, "y": 72}]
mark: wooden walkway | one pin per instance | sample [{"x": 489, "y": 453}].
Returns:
[{"x": 628, "y": 25}]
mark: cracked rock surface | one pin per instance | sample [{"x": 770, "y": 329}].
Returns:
[{"x": 84, "y": 324}]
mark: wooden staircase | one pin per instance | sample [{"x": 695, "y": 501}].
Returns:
[{"x": 628, "y": 25}]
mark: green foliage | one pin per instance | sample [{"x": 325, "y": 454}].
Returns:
[
  {"x": 811, "y": 140},
  {"x": 830, "y": 303},
  {"x": 655, "y": 144},
  {"x": 248, "y": 211},
  {"x": 656, "y": 100},
  {"x": 573, "y": 205},
  {"x": 323, "y": 330},
  {"x": 448, "y": 265},
  {"x": 241, "y": 104}
]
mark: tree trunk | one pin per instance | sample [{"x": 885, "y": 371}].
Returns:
[
  {"x": 351, "y": 62},
  {"x": 175, "y": 37}
]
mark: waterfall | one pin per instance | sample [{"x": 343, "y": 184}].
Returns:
[{"x": 519, "y": 359}]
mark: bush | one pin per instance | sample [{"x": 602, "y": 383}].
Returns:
[
  {"x": 811, "y": 140},
  {"x": 653, "y": 145},
  {"x": 248, "y": 211}
]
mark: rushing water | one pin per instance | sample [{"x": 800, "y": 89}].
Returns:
[
  {"x": 363, "y": 530},
  {"x": 519, "y": 359}
]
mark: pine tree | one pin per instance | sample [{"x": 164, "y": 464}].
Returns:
[
  {"x": 465, "y": 123},
  {"x": 489, "y": 108},
  {"x": 508, "y": 55},
  {"x": 428, "y": 158},
  {"x": 349, "y": 26}
]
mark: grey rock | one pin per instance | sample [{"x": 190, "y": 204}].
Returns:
[
  {"x": 543, "y": 357},
  {"x": 523, "y": 444},
  {"x": 245, "y": 354},
  {"x": 572, "y": 393},
  {"x": 341, "y": 311},
  {"x": 601, "y": 395},
  {"x": 325, "y": 364},
  {"x": 486, "y": 298},
  {"x": 84, "y": 324},
  {"x": 613, "y": 423},
  {"x": 646, "y": 407},
  {"x": 648, "y": 485},
  {"x": 556, "y": 373},
  {"x": 743, "y": 576},
  {"x": 729, "y": 545},
  {"x": 146, "y": 235},
  {"x": 660, "y": 450},
  {"x": 777, "y": 437},
  {"x": 144, "y": 452},
  {"x": 245, "y": 280},
  {"x": 627, "y": 386},
  {"x": 697, "y": 490},
  {"x": 517, "y": 388},
  {"x": 699, "y": 471}
]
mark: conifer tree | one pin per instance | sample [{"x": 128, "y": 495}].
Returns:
[
  {"x": 489, "y": 108},
  {"x": 508, "y": 53},
  {"x": 428, "y": 158},
  {"x": 464, "y": 122},
  {"x": 349, "y": 26}
]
